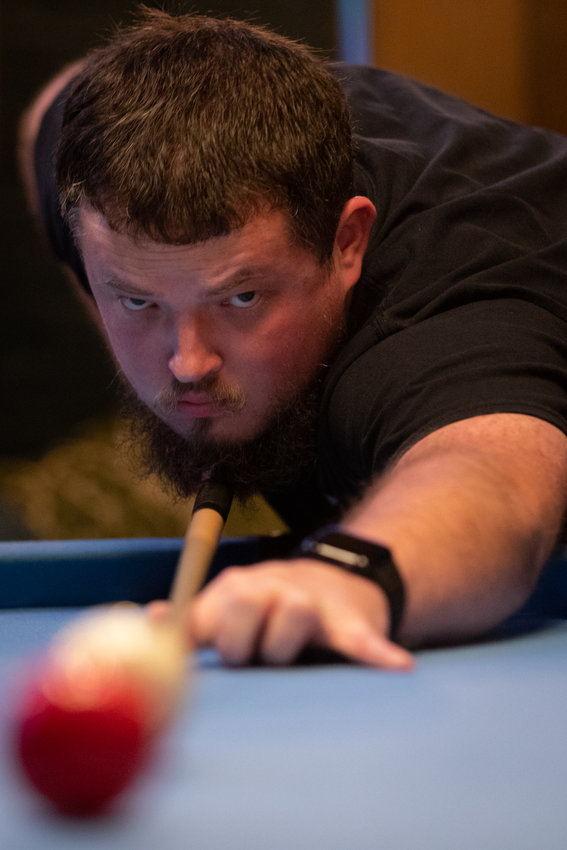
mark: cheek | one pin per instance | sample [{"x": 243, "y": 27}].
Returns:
[
  {"x": 122, "y": 342},
  {"x": 135, "y": 351},
  {"x": 291, "y": 352}
]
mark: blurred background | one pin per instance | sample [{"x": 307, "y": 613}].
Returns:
[{"x": 62, "y": 474}]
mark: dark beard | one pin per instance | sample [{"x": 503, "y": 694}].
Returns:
[{"x": 280, "y": 457}]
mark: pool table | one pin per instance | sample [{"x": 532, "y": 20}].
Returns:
[{"x": 469, "y": 752}]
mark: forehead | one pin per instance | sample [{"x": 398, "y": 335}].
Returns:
[{"x": 265, "y": 240}]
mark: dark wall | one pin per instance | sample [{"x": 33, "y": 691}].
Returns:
[{"x": 55, "y": 372}]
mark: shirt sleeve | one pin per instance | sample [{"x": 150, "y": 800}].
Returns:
[{"x": 499, "y": 356}]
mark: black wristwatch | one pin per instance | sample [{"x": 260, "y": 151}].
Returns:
[{"x": 362, "y": 558}]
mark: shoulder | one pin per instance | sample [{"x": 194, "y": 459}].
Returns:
[
  {"x": 385, "y": 393},
  {"x": 30, "y": 125},
  {"x": 425, "y": 131}
]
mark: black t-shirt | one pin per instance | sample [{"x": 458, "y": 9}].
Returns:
[{"x": 461, "y": 308}]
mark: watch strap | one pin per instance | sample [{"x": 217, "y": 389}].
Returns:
[{"x": 363, "y": 558}]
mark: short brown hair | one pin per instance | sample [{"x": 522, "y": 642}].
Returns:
[{"x": 181, "y": 128}]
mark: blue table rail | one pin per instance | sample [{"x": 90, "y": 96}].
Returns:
[{"x": 74, "y": 573}]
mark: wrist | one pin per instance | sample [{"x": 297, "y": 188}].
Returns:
[{"x": 360, "y": 557}]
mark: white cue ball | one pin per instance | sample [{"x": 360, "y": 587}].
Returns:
[{"x": 150, "y": 655}]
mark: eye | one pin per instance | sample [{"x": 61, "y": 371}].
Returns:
[
  {"x": 134, "y": 304},
  {"x": 244, "y": 299}
]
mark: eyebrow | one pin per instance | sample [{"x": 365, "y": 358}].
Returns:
[
  {"x": 241, "y": 277},
  {"x": 125, "y": 286}
]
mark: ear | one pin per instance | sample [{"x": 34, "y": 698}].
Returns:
[{"x": 351, "y": 240}]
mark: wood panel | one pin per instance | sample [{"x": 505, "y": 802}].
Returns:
[{"x": 508, "y": 56}]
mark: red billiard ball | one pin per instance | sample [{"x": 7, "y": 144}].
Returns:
[
  {"x": 81, "y": 739},
  {"x": 110, "y": 683}
]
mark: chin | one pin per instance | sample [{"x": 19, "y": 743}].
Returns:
[{"x": 220, "y": 429}]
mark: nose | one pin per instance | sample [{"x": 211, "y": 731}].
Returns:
[{"x": 194, "y": 357}]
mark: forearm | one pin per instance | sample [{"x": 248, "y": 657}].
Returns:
[
  {"x": 469, "y": 528},
  {"x": 470, "y": 513}
]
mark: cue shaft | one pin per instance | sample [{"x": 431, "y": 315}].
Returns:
[{"x": 210, "y": 511}]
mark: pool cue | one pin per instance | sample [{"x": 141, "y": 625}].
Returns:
[{"x": 210, "y": 511}]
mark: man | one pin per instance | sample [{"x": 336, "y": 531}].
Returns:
[{"x": 369, "y": 331}]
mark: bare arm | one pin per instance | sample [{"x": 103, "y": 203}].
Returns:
[{"x": 471, "y": 513}]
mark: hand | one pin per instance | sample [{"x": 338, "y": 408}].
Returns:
[{"x": 272, "y": 611}]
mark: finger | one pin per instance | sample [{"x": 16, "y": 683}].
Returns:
[
  {"x": 203, "y": 617},
  {"x": 206, "y": 610},
  {"x": 239, "y": 632},
  {"x": 291, "y": 627},
  {"x": 230, "y": 616},
  {"x": 158, "y": 611},
  {"x": 161, "y": 611},
  {"x": 356, "y": 638}
]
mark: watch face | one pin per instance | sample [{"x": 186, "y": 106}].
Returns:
[{"x": 329, "y": 550}]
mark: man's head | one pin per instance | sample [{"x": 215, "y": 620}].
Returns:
[
  {"x": 206, "y": 170},
  {"x": 183, "y": 128}
]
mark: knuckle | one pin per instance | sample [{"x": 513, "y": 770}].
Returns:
[
  {"x": 296, "y": 603},
  {"x": 230, "y": 577}
]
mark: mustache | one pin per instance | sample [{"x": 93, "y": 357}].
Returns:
[{"x": 229, "y": 398}]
